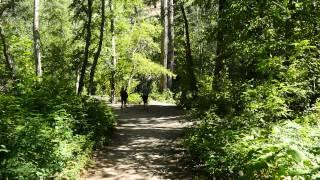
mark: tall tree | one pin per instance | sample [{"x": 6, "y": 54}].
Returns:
[
  {"x": 97, "y": 53},
  {"x": 314, "y": 13},
  {"x": 113, "y": 53},
  {"x": 36, "y": 38},
  {"x": 164, "y": 42},
  {"x": 188, "y": 56},
  {"x": 289, "y": 30},
  {"x": 7, "y": 54},
  {"x": 170, "y": 39},
  {"x": 219, "y": 66},
  {"x": 87, "y": 47}
]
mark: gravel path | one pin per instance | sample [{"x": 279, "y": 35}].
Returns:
[{"x": 146, "y": 145}]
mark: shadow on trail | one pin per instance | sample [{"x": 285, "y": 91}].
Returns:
[{"x": 146, "y": 145}]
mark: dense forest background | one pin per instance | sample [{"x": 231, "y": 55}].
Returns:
[{"x": 247, "y": 72}]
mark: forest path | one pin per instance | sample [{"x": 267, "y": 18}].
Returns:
[{"x": 146, "y": 145}]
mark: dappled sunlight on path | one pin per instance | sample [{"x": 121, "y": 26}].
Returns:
[{"x": 146, "y": 145}]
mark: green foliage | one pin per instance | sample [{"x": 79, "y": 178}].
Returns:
[
  {"x": 134, "y": 98},
  {"x": 44, "y": 136},
  {"x": 259, "y": 120},
  {"x": 146, "y": 67},
  {"x": 166, "y": 96},
  {"x": 46, "y": 132},
  {"x": 231, "y": 147},
  {"x": 138, "y": 47}
]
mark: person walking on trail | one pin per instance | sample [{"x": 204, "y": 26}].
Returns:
[
  {"x": 124, "y": 98},
  {"x": 145, "y": 95}
]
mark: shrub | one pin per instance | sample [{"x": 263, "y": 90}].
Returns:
[
  {"x": 49, "y": 137},
  {"x": 232, "y": 147},
  {"x": 134, "y": 98},
  {"x": 166, "y": 96}
]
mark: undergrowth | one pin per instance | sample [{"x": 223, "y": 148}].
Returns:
[
  {"x": 43, "y": 135},
  {"x": 266, "y": 139}
]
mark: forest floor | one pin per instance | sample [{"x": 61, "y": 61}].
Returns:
[{"x": 146, "y": 145}]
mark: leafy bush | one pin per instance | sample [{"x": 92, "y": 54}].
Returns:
[
  {"x": 273, "y": 133},
  {"x": 134, "y": 98},
  {"x": 165, "y": 96},
  {"x": 43, "y": 136},
  {"x": 238, "y": 148}
]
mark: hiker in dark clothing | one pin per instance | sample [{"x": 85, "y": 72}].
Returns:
[
  {"x": 124, "y": 98},
  {"x": 145, "y": 95}
]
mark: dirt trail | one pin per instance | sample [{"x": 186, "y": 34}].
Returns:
[{"x": 146, "y": 145}]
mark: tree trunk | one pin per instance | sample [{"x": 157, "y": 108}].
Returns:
[
  {"x": 113, "y": 55},
  {"x": 220, "y": 43},
  {"x": 131, "y": 77},
  {"x": 315, "y": 14},
  {"x": 86, "y": 50},
  {"x": 78, "y": 79},
  {"x": 36, "y": 38},
  {"x": 200, "y": 49},
  {"x": 164, "y": 43},
  {"x": 97, "y": 54},
  {"x": 7, "y": 54},
  {"x": 170, "y": 39},
  {"x": 289, "y": 32},
  {"x": 189, "y": 59}
]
